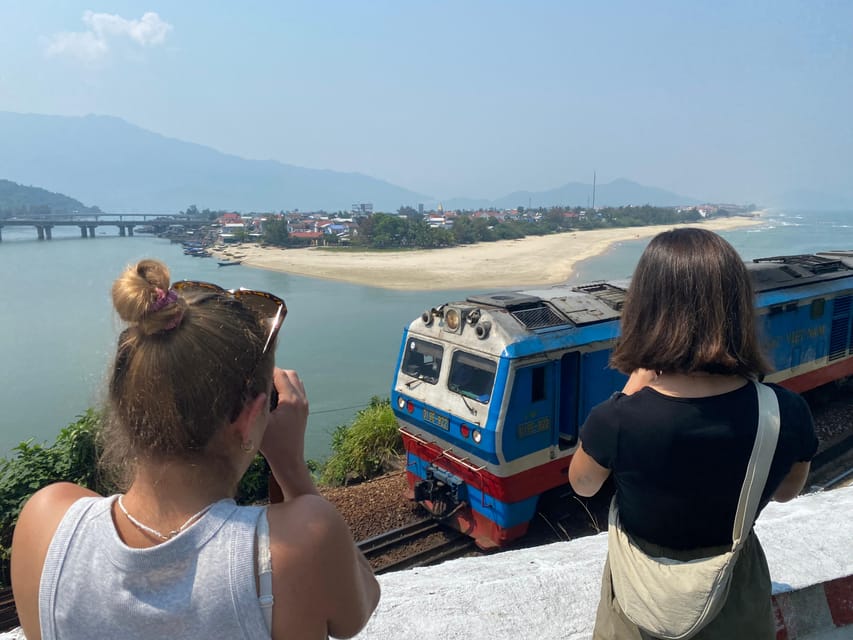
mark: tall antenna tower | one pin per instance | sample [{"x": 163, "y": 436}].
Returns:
[{"x": 593, "y": 190}]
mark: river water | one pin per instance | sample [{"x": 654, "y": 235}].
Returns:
[{"x": 58, "y": 331}]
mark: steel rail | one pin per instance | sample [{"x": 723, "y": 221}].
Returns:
[
  {"x": 444, "y": 550},
  {"x": 394, "y": 537}
]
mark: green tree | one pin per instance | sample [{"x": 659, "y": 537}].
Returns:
[
  {"x": 409, "y": 212},
  {"x": 275, "y": 232},
  {"x": 388, "y": 231},
  {"x": 463, "y": 230}
]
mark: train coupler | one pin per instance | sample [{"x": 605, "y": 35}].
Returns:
[{"x": 441, "y": 492}]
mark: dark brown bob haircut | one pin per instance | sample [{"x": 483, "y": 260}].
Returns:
[{"x": 690, "y": 308}]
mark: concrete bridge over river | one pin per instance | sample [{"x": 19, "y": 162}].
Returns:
[{"x": 88, "y": 223}]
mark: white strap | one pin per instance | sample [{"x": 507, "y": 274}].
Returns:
[
  {"x": 766, "y": 437},
  {"x": 265, "y": 596}
]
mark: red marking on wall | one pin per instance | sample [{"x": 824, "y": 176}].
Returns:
[{"x": 839, "y": 597}]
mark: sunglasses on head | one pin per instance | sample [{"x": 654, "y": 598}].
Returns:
[{"x": 268, "y": 308}]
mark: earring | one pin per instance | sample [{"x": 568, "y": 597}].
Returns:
[{"x": 247, "y": 446}]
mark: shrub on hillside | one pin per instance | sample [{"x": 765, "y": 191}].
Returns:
[
  {"x": 72, "y": 457},
  {"x": 364, "y": 448}
]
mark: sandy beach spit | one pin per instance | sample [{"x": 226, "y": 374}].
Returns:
[{"x": 531, "y": 261}]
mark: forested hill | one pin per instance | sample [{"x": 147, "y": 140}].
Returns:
[{"x": 18, "y": 200}]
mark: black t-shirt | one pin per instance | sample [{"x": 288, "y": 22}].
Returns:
[{"x": 679, "y": 463}]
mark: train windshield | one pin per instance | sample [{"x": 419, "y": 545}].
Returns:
[
  {"x": 422, "y": 360},
  {"x": 472, "y": 376}
]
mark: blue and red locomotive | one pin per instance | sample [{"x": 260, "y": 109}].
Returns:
[{"x": 490, "y": 391}]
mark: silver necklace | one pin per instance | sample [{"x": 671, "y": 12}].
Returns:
[{"x": 156, "y": 533}]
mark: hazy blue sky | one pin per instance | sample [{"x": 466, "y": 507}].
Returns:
[{"x": 719, "y": 100}]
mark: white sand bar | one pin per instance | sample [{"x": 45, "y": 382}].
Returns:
[{"x": 535, "y": 260}]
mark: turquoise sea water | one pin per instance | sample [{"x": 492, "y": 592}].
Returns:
[
  {"x": 781, "y": 233},
  {"x": 58, "y": 331}
]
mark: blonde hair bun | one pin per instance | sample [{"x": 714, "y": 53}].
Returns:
[{"x": 137, "y": 290}]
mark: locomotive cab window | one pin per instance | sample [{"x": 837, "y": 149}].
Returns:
[
  {"x": 537, "y": 384},
  {"x": 422, "y": 360},
  {"x": 472, "y": 376}
]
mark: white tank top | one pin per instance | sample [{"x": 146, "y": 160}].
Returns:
[{"x": 199, "y": 584}]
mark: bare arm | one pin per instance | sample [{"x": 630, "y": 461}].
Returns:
[
  {"x": 585, "y": 475},
  {"x": 322, "y": 583},
  {"x": 354, "y": 589},
  {"x": 793, "y": 483}
]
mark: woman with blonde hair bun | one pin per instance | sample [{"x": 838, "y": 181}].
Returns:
[{"x": 174, "y": 556}]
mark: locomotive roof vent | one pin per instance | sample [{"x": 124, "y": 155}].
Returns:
[
  {"x": 538, "y": 317},
  {"x": 806, "y": 264},
  {"x": 613, "y": 297},
  {"x": 530, "y": 310},
  {"x": 779, "y": 272},
  {"x": 506, "y": 300}
]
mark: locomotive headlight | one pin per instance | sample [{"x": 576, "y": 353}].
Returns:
[
  {"x": 477, "y": 436},
  {"x": 452, "y": 319},
  {"x": 401, "y": 402}
]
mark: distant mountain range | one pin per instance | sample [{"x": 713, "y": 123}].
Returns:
[
  {"x": 119, "y": 167},
  {"x": 617, "y": 193}
]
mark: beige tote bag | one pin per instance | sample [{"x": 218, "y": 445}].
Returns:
[{"x": 674, "y": 599}]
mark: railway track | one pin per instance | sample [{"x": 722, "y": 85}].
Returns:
[
  {"x": 372, "y": 547},
  {"x": 8, "y": 613},
  {"x": 418, "y": 544},
  {"x": 832, "y": 467}
]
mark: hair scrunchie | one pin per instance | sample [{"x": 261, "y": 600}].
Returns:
[{"x": 164, "y": 299}]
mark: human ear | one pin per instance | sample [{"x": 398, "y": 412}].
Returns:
[{"x": 245, "y": 423}]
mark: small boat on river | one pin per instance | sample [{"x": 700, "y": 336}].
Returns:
[{"x": 228, "y": 263}]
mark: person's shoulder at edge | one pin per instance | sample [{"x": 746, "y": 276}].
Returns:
[
  {"x": 802, "y": 437},
  {"x": 34, "y": 531},
  {"x": 44, "y": 510},
  {"x": 801, "y": 421},
  {"x": 316, "y": 562},
  {"x": 792, "y": 398}
]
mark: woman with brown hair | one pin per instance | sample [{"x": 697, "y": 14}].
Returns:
[
  {"x": 678, "y": 438},
  {"x": 174, "y": 556}
]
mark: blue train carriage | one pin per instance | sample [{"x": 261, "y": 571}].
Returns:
[{"x": 490, "y": 392}]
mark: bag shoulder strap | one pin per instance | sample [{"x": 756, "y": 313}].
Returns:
[{"x": 759, "y": 462}]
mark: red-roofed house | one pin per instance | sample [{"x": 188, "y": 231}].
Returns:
[
  {"x": 313, "y": 237},
  {"x": 230, "y": 218}
]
